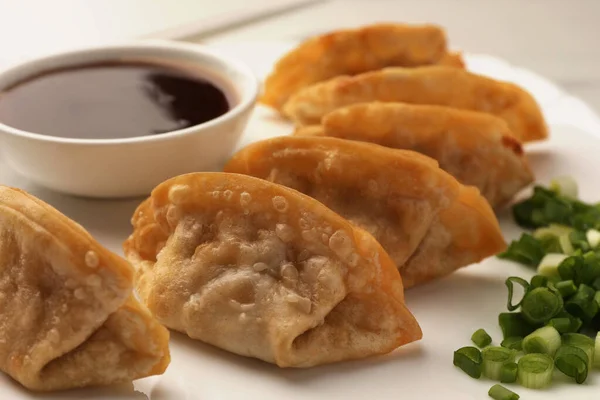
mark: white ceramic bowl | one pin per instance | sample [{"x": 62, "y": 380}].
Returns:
[{"x": 131, "y": 166}]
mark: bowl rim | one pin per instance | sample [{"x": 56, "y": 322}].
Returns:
[{"x": 248, "y": 97}]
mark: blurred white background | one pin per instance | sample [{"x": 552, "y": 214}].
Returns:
[{"x": 556, "y": 38}]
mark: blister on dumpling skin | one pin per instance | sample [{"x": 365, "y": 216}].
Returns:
[
  {"x": 396, "y": 195},
  {"x": 393, "y": 194},
  {"x": 68, "y": 318},
  {"x": 354, "y": 51},
  {"x": 434, "y": 85},
  {"x": 476, "y": 148},
  {"x": 264, "y": 271}
]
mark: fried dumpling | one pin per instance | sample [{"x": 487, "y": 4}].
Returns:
[
  {"x": 393, "y": 194},
  {"x": 476, "y": 148},
  {"x": 435, "y": 85},
  {"x": 396, "y": 195},
  {"x": 264, "y": 271},
  {"x": 354, "y": 51},
  {"x": 67, "y": 314}
]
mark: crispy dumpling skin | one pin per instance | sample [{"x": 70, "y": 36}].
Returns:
[
  {"x": 434, "y": 85},
  {"x": 354, "y": 51},
  {"x": 396, "y": 195},
  {"x": 462, "y": 234},
  {"x": 67, "y": 315},
  {"x": 264, "y": 271},
  {"x": 476, "y": 148}
]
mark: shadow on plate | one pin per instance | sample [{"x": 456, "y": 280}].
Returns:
[{"x": 291, "y": 375}]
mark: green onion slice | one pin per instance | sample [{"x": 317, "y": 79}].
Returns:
[
  {"x": 562, "y": 324},
  {"x": 494, "y": 358},
  {"x": 566, "y": 288},
  {"x": 481, "y": 338},
  {"x": 545, "y": 340},
  {"x": 499, "y": 392},
  {"x": 535, "y": 370},
  {"x": 596, "y": 356},
  {"x": 469, "y": 360},
  {"x": 513, "y": 343},
  {"x": 508, "y": 373},
  {"x": 541, "y": 304},
  {"x": 509, "y": 284},
  {"x": 572, "y": 361},
  {"x": 514, "y": 324}
]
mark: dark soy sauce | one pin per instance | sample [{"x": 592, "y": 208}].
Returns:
[{"x": 111, "y": 100}]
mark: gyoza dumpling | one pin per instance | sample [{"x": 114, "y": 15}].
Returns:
[
  {"x": 264, "y": 271},
  {"x": 476, "y": 148},
  {"x": 396, "y": 195},
  {"x": 436, "y": 85},
  {"x": 353, "y": 51},
  {"x": 67, "y": 315}
]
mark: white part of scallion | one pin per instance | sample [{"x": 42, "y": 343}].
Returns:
[
  {"x": 534, "y": 370},
  {"x": 545, "y": 340},
  {"x": 593, "y": 237},
  {"x": 597, "y": 351},
  {"x": 552, "y": 230},
  {"x": 565, "y": 186},
  {"x": 565, "y": 244},
  {"x": 548, "y": 266},
  {"x": 494, "y": 358}
]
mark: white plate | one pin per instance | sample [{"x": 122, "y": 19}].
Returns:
[{"x": 448, "y": 310}]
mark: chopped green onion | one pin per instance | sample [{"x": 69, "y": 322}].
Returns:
[
  {"x": 545, "y": 340},
  {"x": 597, "y": 298},
  {"x": 494, "y": 358},
  {"x": 499, "y": 392},
  {"x": 584, "y": 342},
  {"x": 481, "y": 338},
  {"x": 535, "y": 370},
  {"x": 539, "y": 281},
  {"x": 508, "y": 373},
  {"x": 549, "y": 264},
  {"x": 582, "y": 304},
  {"x": 527, "y": 250},
  {"x": 590, "y": 270},
  {"x": 513, "y": 343},
  {"x": 567, "y": 268},
  {"x": 541, "y": 304},
  {"x": 596, "y": 356},
  {"x": 469, "y": 360},
  {"x": 552, "y": 230},
  {"x": 562, "y": 324},
  {"x": 596, "y": 284},
  {"x": 566, "y": 288},
  {"x": 572, "y": 361},
  {"x": 514, "y": 324},
  {"x": 593, "y": 237},
  {"x": 565, "y": 244},
  {"x": 509, "y": 284},
  {"x": 564, "y": 186}
]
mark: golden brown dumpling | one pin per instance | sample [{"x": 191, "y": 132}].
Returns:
[
  {"x": 396, "y": 195},
  {"x": 353, "y": 51},
  {"x": 263, "y": 271},
  {"x": 67, "y": 315},
  {"x": 435, "y": 85},
  {"x": 476, "y": 148}
]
